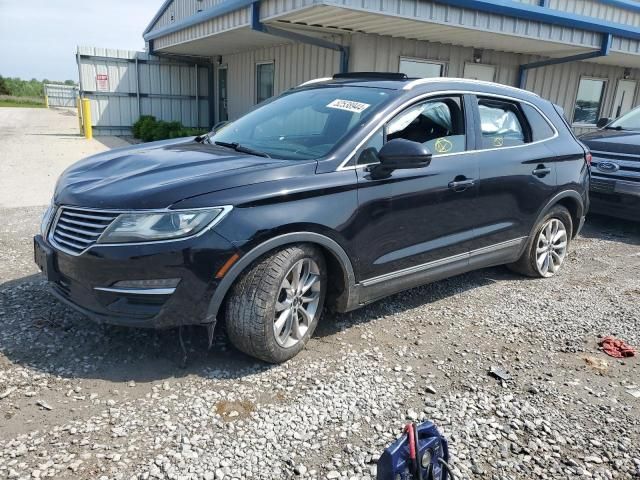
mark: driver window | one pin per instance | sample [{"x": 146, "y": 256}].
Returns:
[{"x": 436, "y": 123}]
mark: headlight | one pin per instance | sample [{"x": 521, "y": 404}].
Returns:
[
  {"x": 46, "y": 220},
  {"x": 153, "y": 226}
]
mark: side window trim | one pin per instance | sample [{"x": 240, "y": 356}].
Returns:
[{"x": 351, "y": 159}]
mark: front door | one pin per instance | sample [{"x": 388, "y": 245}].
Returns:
[
  {"x": 623, "y": 101},
  {"x": 418, "y": 216},
  {"x": 223, "y": 113}
]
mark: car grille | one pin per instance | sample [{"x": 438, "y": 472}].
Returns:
[
  {"x": 76, "y": 229},
  {"x": 602, "y": 185},
  {"x": 626, "y": 166}
]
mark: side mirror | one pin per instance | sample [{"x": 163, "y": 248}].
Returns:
[
  {"x": 398, "y": 154},
  {"x": 603, "y": 122}
]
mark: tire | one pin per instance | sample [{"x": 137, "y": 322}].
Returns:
[
  {"x": 528, "y": 263},
  {"x": 251, "y": 313}
]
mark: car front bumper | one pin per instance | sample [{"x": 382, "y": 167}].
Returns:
[
  {"x": 616, "y": 198},
  {"x": 86, "y": 282}
]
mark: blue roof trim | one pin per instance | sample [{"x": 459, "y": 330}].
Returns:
[
  {"x": 537, "y": 13},
  {"x": 157, "y": 16},
  {"x": 626, "y": 4},
  {"x": 222, "y": 8}
]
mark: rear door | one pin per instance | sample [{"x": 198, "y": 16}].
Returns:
[
  {"x": 517, "y": 169},
  {"x": 419, "y": 216}
]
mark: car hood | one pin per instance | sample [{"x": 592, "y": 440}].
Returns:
[
  {"x": 159, "y": 174},
  {"x": 614, "y": 141}
]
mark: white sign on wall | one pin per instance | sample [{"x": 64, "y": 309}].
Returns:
[{"x": 102, "y": 82}]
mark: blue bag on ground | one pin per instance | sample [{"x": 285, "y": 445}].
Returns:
[{"x": 399, "y": 462}]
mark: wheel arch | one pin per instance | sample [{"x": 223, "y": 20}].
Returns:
[
  {"x": 572, "y": 201},
  {"x": 338, "y": 263}
]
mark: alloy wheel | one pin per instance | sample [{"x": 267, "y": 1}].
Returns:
[
  {"x": 297, "y": 302},
  {"x": 551, "y": 247}
]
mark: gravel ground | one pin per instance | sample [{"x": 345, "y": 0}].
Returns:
[
  {"x": 36, "y": 145},
  {"x": 79, "y": 400}
]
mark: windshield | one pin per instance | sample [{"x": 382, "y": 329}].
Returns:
[
  {"x": 304, "y": 124},
  {"x": 629, "y": 121}
]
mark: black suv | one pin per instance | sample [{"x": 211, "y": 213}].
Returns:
[
  {"x": 334, "y": 194},
  {"x": 615, "y": 173}
]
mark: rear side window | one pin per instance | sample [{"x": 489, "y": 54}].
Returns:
[
  {"x": 501, "y": 124},
  {"x": 540, "y": 128}
]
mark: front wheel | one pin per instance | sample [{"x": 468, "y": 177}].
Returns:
[
  {"x": 547, "y": 248},
  {"x": 275, "y": 306}
]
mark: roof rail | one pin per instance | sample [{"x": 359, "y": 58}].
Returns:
[
  {"x": 426, "y": 81},
  {"x": 315, "y": 80},
  {"x": 372, "y": 75}
]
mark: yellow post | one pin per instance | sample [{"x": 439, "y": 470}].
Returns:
[
  {"x": 86, "y": 117},
  {"x": 46, "y": 101},
  {"x": 79, "y": 105}
]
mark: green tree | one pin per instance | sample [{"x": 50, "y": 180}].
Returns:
[{"x": 4, "y": 88}]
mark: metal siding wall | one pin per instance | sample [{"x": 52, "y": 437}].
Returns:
[
  {"x": 167, "y": 90},
  {"x": 294, "y": 64},
  {"x": 182, "y": 9},
  {"x": 230, "y": 21},
  {"x": 559, "y": 84},
  {"x": 448, "y": 15},
  {"x": 593, "y": 8},
  {"x": 382, "y": 54}
]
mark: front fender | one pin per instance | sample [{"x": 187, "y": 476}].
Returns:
[{"x": 344, "y": 302}]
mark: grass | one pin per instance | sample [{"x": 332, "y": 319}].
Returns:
[{"x": 25, "y": 102}]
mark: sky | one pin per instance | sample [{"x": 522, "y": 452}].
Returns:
[{"x": 38, "y": 38}]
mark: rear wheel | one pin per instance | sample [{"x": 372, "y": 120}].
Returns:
[
  {"x": 274, "y": 307},
  {"x": 547, "y": 248}
]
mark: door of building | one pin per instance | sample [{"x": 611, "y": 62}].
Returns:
[
  {"x": 623, "y": 101},
  {"x": 479, "y": 71},
  {"x": 223, "y": 112}
]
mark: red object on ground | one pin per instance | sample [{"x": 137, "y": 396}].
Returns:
[
  {"x": 412, "y": 441},
  {"x": 614, "y": 347}
]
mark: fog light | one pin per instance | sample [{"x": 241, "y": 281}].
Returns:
[{"x": 154, "y": 283}]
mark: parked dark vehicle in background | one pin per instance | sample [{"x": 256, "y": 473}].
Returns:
[
  {"x": 335, "y": 194},
  {"x": 615, "y": 172}
]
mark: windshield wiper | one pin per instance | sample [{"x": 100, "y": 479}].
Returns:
[
  {"x": 242, "y": 149},
  {"x": 614, "y": 128}
]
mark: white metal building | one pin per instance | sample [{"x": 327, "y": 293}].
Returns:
[{"x": 581, "y": 54}]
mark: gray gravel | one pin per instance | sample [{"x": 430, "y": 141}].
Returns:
[{"x": 79, "y": 400}]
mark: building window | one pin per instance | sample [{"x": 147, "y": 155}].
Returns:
[
  {"x": 264, "y": 81},
  {"x": 414, "y": 67},
  {"x": 589, "y": 101}
]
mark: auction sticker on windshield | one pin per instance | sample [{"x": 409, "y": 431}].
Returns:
[{"x": 348, "y": 105}]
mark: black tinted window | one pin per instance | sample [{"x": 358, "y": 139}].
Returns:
[
  {"x": 501, "y": 124},
  {"x": 540, "y": 128}
]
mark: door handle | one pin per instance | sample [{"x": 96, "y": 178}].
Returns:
[
  {"x": 461, "y": 185},
  {"x": 541, "y": 171}
]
